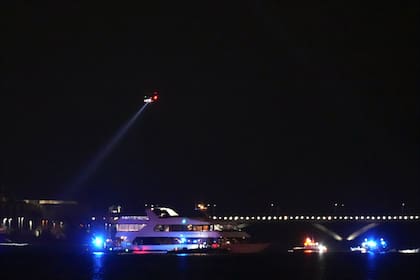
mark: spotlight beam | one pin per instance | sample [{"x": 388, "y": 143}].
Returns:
[{"x": 96, "y": 161}]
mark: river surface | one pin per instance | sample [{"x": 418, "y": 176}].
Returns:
[{"x": 38, "y": 264}]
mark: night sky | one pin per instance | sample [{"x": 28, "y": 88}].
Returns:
[{"x": 260, "y": 102}]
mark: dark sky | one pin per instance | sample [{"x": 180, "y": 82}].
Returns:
[{"x": 260, "y": 102}]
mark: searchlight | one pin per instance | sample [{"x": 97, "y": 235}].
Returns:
[{"x": 151, "y": 97}]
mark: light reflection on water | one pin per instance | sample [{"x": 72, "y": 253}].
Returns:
[
  {"x": 98, "y": 266},
  {"x": 321, "y": 266},
  {"x": 371, "y": 266},
  {"x": 37, "y": 264},
  {"x": 312, "y": 266}
]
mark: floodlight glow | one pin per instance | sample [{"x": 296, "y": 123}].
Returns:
[
  {"x": 322, "y": 248},
  {"x": 98, "y": 242}
]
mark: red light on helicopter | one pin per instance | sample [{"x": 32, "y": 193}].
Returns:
[{"x": 151, "y": 98}]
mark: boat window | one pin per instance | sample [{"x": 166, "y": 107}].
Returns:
[
  {"x": 183, "y": 228},
  {"x": 154, "y": 240},
  {"x": 161, "y": 228},
  {"x": 179, "y": 228},
  {"x": 130, "y": 227},
  {"x": 158, "y": 228},
  {"x": 201, "y": 228},
  {"x": 170, "y": 240},
  {"x": 161, "y": 213}
]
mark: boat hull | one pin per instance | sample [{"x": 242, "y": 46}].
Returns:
[{"x": 246, "y": 248}]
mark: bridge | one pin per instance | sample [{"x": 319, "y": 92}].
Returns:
[
  {"x": 317, "y": 218},
  {"x": 339, "y": 227}
]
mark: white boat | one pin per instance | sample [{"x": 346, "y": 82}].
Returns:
[
  {"x": 409, "y": 251},
  {"x": 164, "y": 230}
]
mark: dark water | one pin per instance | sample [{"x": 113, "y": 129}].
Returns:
[{"x": 29, "y": 264}]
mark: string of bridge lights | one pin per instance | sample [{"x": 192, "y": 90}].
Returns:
[{"x": 315, "y": 218}]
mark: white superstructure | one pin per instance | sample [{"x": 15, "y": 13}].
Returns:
[{"x": 162, "y": 229}]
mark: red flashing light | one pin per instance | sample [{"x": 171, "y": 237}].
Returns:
[
  {"x": 139, "y": 252},
  {"x": 155, "y": 97},
  {"x": 214, "y": 246}
]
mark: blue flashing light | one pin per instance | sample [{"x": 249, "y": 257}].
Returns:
[
  {"x": 184, "y": 221},
  {"x": 182, "y": 240},
  {"x": 371, "y": 244},
  {"x": 98, "y": 242},
  {"x": 374, "y": 245}
]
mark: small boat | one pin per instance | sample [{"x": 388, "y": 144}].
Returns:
[
  {"x": 309, "y": 246},
  {"x": 371, "y": 246},
  {"x": 409, "y": 251}
]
